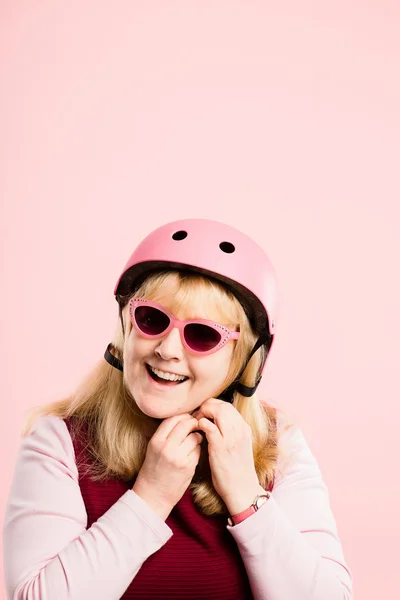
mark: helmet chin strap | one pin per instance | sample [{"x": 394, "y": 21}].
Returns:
[
  {"x": 226, "y": 395},
  {"x": 110, "y": 358},
  {"x": 245, "y": 390}
]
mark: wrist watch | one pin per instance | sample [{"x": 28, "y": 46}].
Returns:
[{"x": 258, "y": 501}]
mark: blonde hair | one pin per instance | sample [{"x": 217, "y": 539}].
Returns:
[{"x": 118, "y": 431}]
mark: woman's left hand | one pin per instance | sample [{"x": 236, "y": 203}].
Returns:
[{"x": 230, "y": 453}]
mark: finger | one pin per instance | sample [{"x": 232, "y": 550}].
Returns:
[
  {"x": 210, "y": 429},
  {"x": 181, "y": 430},
  {"x": 195, "y": 454},
  {"x": 167, "y": 425},
  {"x": 217, "y": 414},
  {"x": 209, "y": 408},
  {"x": 192, "y": 442}
]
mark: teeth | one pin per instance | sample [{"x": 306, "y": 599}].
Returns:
[{"x": 168, "y": 376}]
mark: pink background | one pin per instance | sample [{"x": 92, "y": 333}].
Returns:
[{"x": 282, "y": 121}]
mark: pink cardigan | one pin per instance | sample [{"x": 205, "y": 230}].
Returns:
[{"x": 290, "y": 547}]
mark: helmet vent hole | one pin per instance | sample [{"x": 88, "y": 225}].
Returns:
[
  {"x": 179, "y": 235},
  {"x": 227, "y": 247}
]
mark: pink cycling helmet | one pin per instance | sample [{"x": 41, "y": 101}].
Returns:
[{"x": 218, "y": 251}]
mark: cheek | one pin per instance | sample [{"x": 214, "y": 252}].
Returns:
[
  {"x": 136, "y": 350},
  {"x": 138, "y": 345},
  {"x": 214, "y": 368}
]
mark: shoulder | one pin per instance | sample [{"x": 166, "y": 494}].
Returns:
[
  {"x": 48, "y": 436},
  {"x": 294, "y": 451},
  {"x": 284, "y": 422},
  {"x": 279, "y": 419},
  {"x": 47, "y": 425},
  {"x": 296, "y": 458}
]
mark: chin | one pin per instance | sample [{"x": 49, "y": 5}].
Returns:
[
  {"x": 163, "y": 413},
  {"x": 154, "y": 412}
]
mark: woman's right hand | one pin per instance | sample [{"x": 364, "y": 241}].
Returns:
[{"x": 170, "y": 463}]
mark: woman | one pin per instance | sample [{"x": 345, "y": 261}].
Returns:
[{"x": 164, "y": 476}]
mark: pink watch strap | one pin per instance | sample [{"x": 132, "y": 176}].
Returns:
[
  {"x": 243, "y": 515},
  {"x": 258, "y": 501}
]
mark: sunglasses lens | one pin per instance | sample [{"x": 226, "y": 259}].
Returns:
[
  {"x": 201, "y": 338},
  {"x": 150, "y": 320}
]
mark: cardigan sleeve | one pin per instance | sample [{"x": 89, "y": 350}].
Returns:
[
  {"x": 48, "y": 552},
  {"x": 290, "y": 546}
]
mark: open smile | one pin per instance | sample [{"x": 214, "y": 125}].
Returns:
[{"x": 160, "y": 381}]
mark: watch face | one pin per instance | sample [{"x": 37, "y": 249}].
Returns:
[{"x": 260, "y": 501}]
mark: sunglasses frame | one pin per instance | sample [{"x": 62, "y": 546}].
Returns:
[{"x": 226, "y": 334}]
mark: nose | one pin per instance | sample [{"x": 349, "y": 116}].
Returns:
[{"x": 170, "y": 346}]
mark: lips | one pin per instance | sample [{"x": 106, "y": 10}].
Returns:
[
  {"x": 169, "y": 372},
  {"x": 160, "y": 381}
]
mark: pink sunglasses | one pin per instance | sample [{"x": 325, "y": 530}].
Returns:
[{"x": 199, "y": 336}]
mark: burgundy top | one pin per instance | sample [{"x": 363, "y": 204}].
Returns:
[{"x": 200, "y": 561}]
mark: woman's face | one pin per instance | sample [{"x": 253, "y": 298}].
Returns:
[{"x": 206, "y": 374}]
